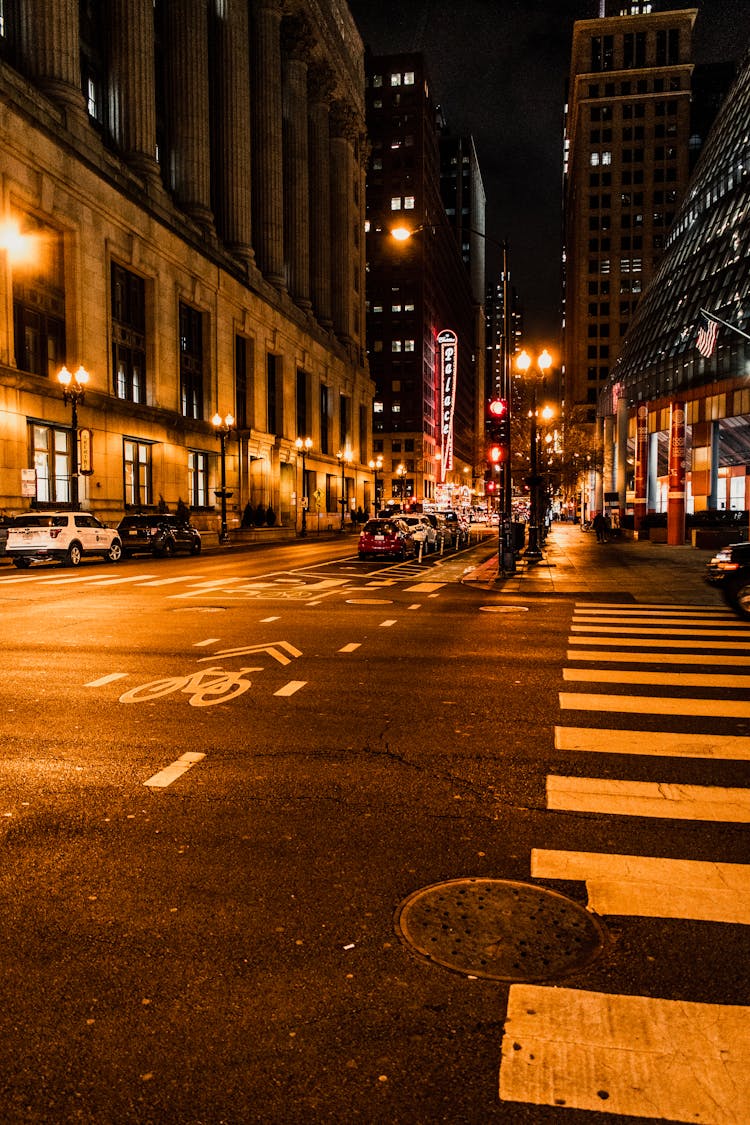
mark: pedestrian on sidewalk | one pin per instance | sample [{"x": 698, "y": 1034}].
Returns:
[{"x": 600, "y": 526}]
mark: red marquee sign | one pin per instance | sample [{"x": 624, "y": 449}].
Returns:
[{"x": 447, "y": 356}]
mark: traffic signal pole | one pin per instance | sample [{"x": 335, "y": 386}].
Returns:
[{"x": 506, "y": 547}]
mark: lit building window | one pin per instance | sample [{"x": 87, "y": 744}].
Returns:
[
  {"x": 395, "y": 203},
  {"x": 408, "y": 202},
  {"x": 409, "y": 78},
  {"x": 377, "y": 407},
  {"x": 395, "y": 80}
]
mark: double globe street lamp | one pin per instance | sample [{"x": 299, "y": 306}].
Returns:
[
  {"x": 74, "y": 392},
  {"x": 345, "y": 458},
  {"x": 223, "y": 427},
  {"x": 303, "y": 446},
  {"x": 524, "y": 364},
  {"x": 376, "y": 466}
]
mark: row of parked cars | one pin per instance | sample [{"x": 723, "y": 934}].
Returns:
[
  {"x": 403, "y": 534},
  {"x": 68, "y": 537}
]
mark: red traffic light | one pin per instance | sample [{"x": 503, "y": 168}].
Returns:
[
  {"x": 496, "y": 454},
  {"x": 490, "y": 486},
  {"x": 497, "y": 408}
]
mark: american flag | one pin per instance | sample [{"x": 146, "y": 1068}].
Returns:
[{"x": 708, "y": 330}]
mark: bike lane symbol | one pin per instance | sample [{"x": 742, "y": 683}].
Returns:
[{"x": 206, "y": 687}]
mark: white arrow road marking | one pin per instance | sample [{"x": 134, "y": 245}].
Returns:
[
  {"x": 637, "y": 1056},
  {"x": 647, "y": 798},
  {"x": 166, "y": 776},
  {"x": 110, "y": 679},
  {"x": 648, "y": 887},
  {"x": 656, "y": 705},
  {"x": 271, "y": 647},
  {"x": 661, "y": 743}
]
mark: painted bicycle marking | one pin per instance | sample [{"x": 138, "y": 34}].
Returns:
[{"x": 206, "y": 688}]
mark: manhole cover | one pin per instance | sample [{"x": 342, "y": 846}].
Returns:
[{"x": 499, "y": 929}]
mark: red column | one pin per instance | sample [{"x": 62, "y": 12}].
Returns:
[
  {"x": 641, "y": 464},
  {"x": 676, "y": 492}
]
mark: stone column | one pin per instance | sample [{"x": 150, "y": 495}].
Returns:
[
  {"x": 343, "y": 258},
  {"x": 232, "y": 137},
  {"x": 320, "y": 87},
  {"x": 676, "y": 493},
  {"x": 297, "y": 38},
  {"x": 268, "y": 180},
  {"x": 132, "y": 92},
  {"x": 189, "y": 153},
  {"x": 621, "y": 463},
  {"x": 50, "y": 47},
  {"x": 641, "y": 465}
]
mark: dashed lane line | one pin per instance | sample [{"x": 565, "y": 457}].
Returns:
[
  {"x": 645, "y": 798},
  {"x": 166, "y": 776},
  {"x": 662, "y": 679},
  {"x": 387, "y": 623},
  {"x": 208, "y": 641},
  {"x": 656, "y": 705},
  {"x": 351, "y": 647},
  {"x": 650, "y": 887},
  {"x": 110, "y": 679},
  {"x": 658, "y": 743},
  {"x": 290, "y": 688},
  {"x": 636, "y": 1056}
]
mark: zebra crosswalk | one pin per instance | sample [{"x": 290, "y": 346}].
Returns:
[{"x": 647, "y": 1056}]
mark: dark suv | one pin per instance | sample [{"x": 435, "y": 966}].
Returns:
[
  {"x": 729, "y": 571},
  {"x": 159, "y": 534}
]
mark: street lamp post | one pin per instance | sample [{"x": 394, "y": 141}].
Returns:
[
  {"x": 345, "y": 458},
  {"x": 223, "y": 427},
  {"x": 304, "y": 445},
  {"x": 74, "y": 392},
  {"x": 401, "y": 473},
  {"x": 376, "y": 466},
  {"x": 544, "y": 361}
]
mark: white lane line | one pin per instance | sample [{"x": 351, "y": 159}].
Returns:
[
  {"x": 668, "y": 679},
  {"x": 657, "y": 657},
  {"x": 649, "y": 887},
  {"x": 424, "y": 587},
  {"x": 268, "y": 620},
  {"x": 659, "y": 645},
  {"x": 169, "y": 581},
  {"x": 110, "y": 679},
  {"x": 166, "y": 776},
  {"x": 648, "y": 798},
  {"x": 635, "y": 1056},
  {"x": 662, "y": 744},
  {"x": 737, "y": 631},
  {"x": 351, "y": 647},
  {"x": 387, "y": 623},
  {"x": 291, "y": 687},
  {"x": 208, "y": 641},
  {"x": 656, "y": 705},
  {"x": 417, "y": 605}
]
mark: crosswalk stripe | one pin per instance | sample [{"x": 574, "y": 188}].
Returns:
[
  {"x": 740, "y": 660},
  {"x": 646, "y": 798},
  {"x": 738, "y": 631},
  {"x": 677, "y": 623},
  {"x": 637, "y": 1056},
  {"x": 655, "y": 705},
  {"x": 168, "y": 581},
  {"x": 650, "y": 887},
  {"x": 666, "y": 679},
  {"x": 652, "y": 607},
  {"x": 658, "y": 643},
  {"x": 660, "y": 743}
]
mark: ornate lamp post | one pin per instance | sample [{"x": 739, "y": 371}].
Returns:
[
  {"x": 401, "y": 473},
  {"x": 223, "y": 427},
  {"x": 345, "y": 458},
  {"x": 74, "y": 392},
  {"x": 304, "y": 445},
  {"x": 523, "y": 363},
  {"x": 376, "y": 466}
]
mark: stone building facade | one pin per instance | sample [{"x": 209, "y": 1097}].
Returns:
[{"x": 182, "y": 216}]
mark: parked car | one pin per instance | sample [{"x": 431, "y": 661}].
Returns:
[
  {"x": 729, "y": 572},
  {"x": 5, "y": 522},
  {"x": 445, "y": 532},
  {"x": 422, "y": 531},
  {"x": 64, "y": 536},
  {"x": 158, "y": 534},
  {"x": 459, "y": 524},
  {"x": 386, "y": 538}
]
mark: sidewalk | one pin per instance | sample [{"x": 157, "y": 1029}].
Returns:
[{"x": 623, "y": 570}]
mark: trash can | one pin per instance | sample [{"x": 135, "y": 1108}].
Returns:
[{"x": 519, "y": 534}]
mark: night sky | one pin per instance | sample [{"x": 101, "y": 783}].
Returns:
[{"x": 498, "y": 68}]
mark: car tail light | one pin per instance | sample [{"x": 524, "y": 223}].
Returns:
[{"x": 54, "y": 532}]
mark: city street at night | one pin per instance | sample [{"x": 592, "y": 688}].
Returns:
[{"x": 291, "y": 837}]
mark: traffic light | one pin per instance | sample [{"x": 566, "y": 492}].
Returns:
[{"x": 498, "y": 431}]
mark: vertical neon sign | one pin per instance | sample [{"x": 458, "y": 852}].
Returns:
[{"x": 447, "y": 342}]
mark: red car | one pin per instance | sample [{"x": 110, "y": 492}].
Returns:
[{"x": 386, "y": 538}]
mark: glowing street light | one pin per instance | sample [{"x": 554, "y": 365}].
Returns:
[
  {"x": 345, "y": 458},
  {"x": 376, "y": 466},
  {"x": 524, "y": 365},
  {"x": 74, "y": 392},
  {"x": 304, "y": 445},
  {"x": 223, "y": 427}
]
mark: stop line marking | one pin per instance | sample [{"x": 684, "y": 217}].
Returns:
[
  {"x": 637, "y": 1056},
  {"x": 649, "y": 887}
]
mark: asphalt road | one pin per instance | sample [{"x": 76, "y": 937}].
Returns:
[{"x": 221, "y": 780}]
